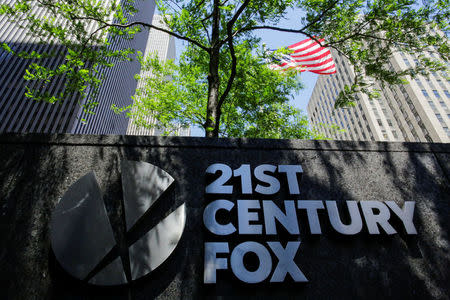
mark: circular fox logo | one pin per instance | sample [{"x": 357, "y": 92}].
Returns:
[{"x": 82, "y": 237}]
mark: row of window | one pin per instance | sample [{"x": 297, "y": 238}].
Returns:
[{"x": 436, "y": 94}]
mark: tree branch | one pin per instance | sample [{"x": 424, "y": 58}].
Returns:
[
  {"x": 272, "y": 28},
  {"x": 301, "y": 30},
  {"x": 199, "y": 4},
  {"x": 232, "y": 74},
  {"x": 263, "y": 27},
  {"x": 207, "y": 17},
  {"x": 233, "y": 20},
  {"x": 206, "y": 31},
  {"x": 356, "y": 33},
  {"x": 199, "y": 118},
  {"x": 224, "y": 95},
  {"x": 340, "y": 52},
  {"x": 176, "y": 4},
  {"x": 319, "y": 18},
  {"x": 106, "y": 24}
]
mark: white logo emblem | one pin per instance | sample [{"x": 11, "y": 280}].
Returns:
[{"x": 83, "y": 240}]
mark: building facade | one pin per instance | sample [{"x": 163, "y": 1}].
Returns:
[
  {"x": 163, "y": 45},
  {"x": 415, "y": 112},
  {"x": 20, "y": 114}
]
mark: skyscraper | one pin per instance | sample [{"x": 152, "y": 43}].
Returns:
[
  {"x": 163, "y": 45},
  {"x": 416, "y": 112},
  {"x": 20, "y": 114}
]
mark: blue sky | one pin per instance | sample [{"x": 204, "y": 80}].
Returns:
[{"x": 274, "y": 40}]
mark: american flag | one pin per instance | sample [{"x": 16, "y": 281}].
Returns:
[{"x": 307, "y": 55}]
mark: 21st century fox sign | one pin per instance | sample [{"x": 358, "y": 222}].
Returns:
[
  {"x": 238, "y": 205},
  {"x": 257, "y": 219}
]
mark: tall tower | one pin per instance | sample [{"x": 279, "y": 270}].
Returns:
[
  {"x": 163, "y": 45},
  {"x": 20, "y": 114},
  {"x": 416, "y": 112}
]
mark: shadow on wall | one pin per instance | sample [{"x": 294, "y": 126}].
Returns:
[
  {"x": 32, "y": 178},
  {"x": 399, "y": 172},
  {"x": 37, "y": 170}
]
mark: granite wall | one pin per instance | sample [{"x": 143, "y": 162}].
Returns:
[{"x": 36, "y": 171}]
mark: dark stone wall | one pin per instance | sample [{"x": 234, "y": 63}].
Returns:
[{"x": 36, "y": 170}]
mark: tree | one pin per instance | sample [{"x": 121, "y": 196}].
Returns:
[
  {"x": 176, "y": 94},
  {"x": 365, "y": 32}
]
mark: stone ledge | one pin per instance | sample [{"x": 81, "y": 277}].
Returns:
[{"x": 238, "y": 143}]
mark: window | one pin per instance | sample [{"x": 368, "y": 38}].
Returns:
[
  {"x": 436, "y": 94},
  {"x": 389, "y": 122},
  {"x": 394, "y": 133},
  {"x": 441, "y": 84},
  {"x": 396, "y": 97},
  {"x": 442, "y": 103},
  {"x": 375, "y": 112},
  {"x": 447, "y": 131},
  {"x": 379, "y": 122},
  {"x": 439, "y": 117},
  {"x": 430, "y": 84},
  {"x": 425, "y": 93},
  {"x": 447, "y": 93},
  {"x": 406, "y": 61}
]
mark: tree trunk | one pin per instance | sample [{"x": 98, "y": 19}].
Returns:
[
  {"x": 212, "y": 120},
  {"x": 213, "y": 96}
]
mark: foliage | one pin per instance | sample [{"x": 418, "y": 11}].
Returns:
[
  {"x": 176, "y": 94},
  {"x": 366, "y": 32},
  {"x": 79, "y": 27}
]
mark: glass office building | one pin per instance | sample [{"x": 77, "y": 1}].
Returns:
[{"x": 20, "y": 114}]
